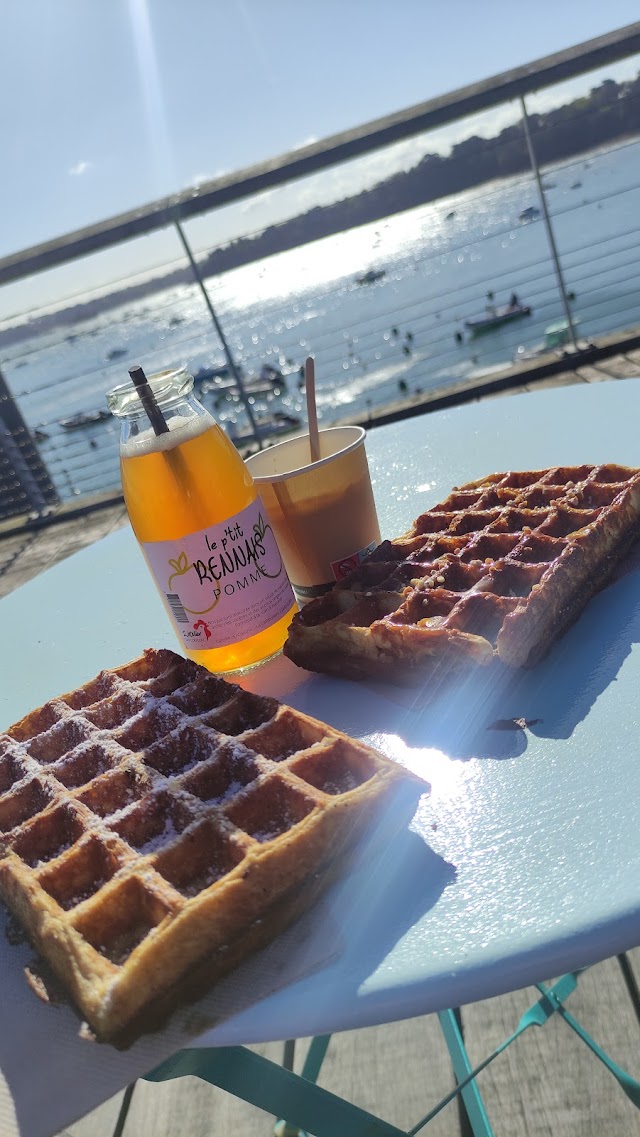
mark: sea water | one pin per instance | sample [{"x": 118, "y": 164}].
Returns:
[{"x": 373, "y": 343}]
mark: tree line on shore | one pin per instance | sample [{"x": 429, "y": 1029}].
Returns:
[{"x": 609, "y": 112}]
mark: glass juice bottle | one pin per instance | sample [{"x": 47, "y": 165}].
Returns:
[{"x": 201, "y": 526}]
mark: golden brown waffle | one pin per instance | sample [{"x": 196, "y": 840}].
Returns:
[
  {"x": 498, "y": 569},
  {"x": 159, "y": 823}
]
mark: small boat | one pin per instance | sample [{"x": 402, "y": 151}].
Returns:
[
  {"x": 267, "y": 426},
  {"x": 496, "y": 318},
  {"x": 531, "y": 213},
  {"x": 84, "y": 418},
  {"x": 231, "y": 394},
  {"x": 212, "y": 376},
  {"x": 556, "y": 335},
  {"x": 450, "y": 215},
  {"x": 576, "y": 185},
  {"x": 221, "y": 382},
  {"x": 115, "y": 353},
  {"x": 371, "y": 276}
]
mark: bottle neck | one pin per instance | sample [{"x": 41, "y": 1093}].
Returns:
[{"x": 184, "y": 416}]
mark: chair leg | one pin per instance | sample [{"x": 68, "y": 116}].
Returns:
[
  {"x": 124, "y": 1110},
  {"x": 275, "y": 1090},
  {"x": 289, "y": 1054},
  {"x": 466, "y": 1128},
  {"x": 631, "y": 982},
  {"x": 476, "y": 1114},
  {"x": 311, "y": 1069},
  {"x": 282, "y": 1127}
]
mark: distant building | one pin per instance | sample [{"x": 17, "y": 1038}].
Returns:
[{"x": 25, "y": 484}]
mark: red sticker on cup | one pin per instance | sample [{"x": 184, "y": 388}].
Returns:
[
  {"x": 342, "y": 568},
  {"x": 345, "y": 565}
]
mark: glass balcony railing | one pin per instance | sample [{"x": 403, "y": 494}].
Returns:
[{"x": 479, "y": 232}]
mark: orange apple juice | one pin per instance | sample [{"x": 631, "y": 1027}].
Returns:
[{"x": 189, "y": 481}]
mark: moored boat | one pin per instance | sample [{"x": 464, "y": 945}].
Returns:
[
  {"x": 84, "y": 418},
  {"x": 556, "y": 335},
  {"x": 221, "y": 382},
  {"x": 531, "y": 213},
  {"x": 267, "y": 426},
  {"x": 496, "y": 317},
  {"x": 371, "y": 276}
]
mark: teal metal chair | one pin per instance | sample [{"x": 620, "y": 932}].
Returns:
[{"x": 303, "y": 1107}]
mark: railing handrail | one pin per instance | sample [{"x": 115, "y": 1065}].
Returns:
[{"x": 353, "y": 143}]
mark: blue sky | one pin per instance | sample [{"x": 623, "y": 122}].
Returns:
[{"x": 108, "y": 104}]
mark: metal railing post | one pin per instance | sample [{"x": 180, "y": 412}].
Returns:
[
  {"x": 547, "y": 221},
  {"x": 216, "y": 323}
]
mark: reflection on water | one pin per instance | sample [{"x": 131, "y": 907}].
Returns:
[{"x": 399, "y": 335}]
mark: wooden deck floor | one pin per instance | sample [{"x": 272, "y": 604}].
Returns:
[{"x": 547, "y": 1085}]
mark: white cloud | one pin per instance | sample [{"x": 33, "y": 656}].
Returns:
[
  {"x": 259, "y": 200},
  {"x": 200, "y": 179},
  {"x": 80, "y": 168},
  {"x": 305, "y": 142}
]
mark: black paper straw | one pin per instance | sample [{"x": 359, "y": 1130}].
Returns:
[
  {"x": 171, "y": 455},
  {"x": 148, "y": 400}
]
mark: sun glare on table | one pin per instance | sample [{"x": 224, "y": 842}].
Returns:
[{"x": 436, "y": 767}]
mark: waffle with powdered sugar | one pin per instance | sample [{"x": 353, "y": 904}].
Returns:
[{"x": 159, "y": 824}]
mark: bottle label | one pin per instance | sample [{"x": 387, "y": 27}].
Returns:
[{"x": 223, "y": 584}]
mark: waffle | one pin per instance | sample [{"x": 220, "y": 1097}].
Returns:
[
  {"x": 497, "y": 570},
  {"x": 158, "y": 824}
]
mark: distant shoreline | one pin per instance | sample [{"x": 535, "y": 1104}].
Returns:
[{"x": 559, "y": 134}]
